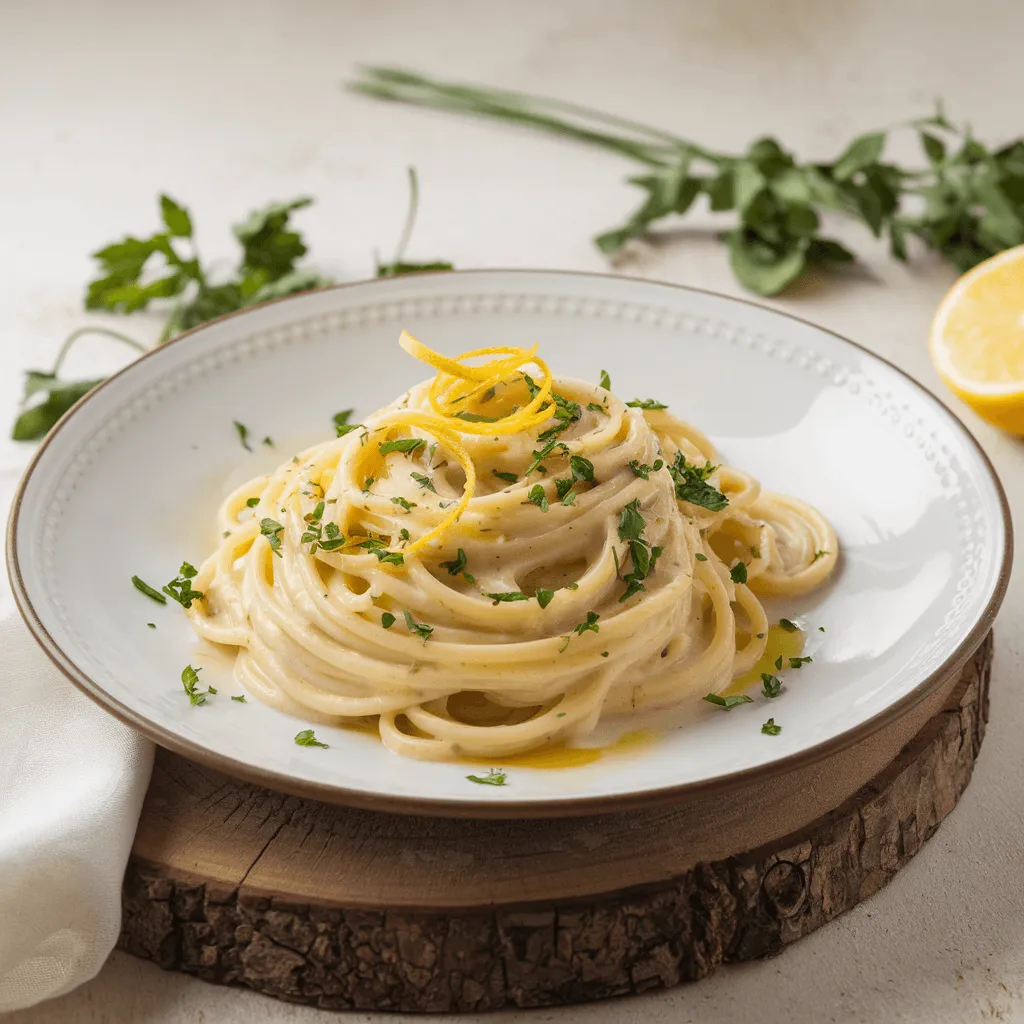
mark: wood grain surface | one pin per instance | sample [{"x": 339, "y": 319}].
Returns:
[{"x": 354, "y": 909}]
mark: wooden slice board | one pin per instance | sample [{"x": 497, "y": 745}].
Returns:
[{"x": 351, "y": 909}]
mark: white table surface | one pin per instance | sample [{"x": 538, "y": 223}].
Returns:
[{"x": 228, "y": 104}]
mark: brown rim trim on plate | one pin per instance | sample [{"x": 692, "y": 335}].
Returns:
[{"x": 569, "y": 807}]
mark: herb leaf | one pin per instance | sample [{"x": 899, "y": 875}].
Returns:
[
  {"x": 646, "y": 403},
  {"x": 789, "y": 626},
  {"x": 544, "y": 596},
  {"x": 387, "y": 620},
  {"x": 509, "y": 478},
  {"x": 537, "y": 497},
  {"x": 728, "y": 702},
  {"x": 738, "y": 573},
  {"x": 494, "y": 777},
  {"x": 149, "y": 591},
  {"x": 605, "y": 381},
  {"x": 421, "y": 629},
  {"x": 408, "y": 445},
  {"x": 190, "y": 680},
  {"x": 692, "y": 486},
  {"x": 513, "y": 595},
  {"x": 771, "y": 686},
  {"x": 306, "y": 738},
  {"x": 424, "y": 482},
  {"x": 770, "y": 728}
]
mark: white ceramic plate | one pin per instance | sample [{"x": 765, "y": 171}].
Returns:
[{"x": 129, "y": 481}]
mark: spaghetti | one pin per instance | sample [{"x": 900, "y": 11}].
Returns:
[{"x": 499, "y": 558}]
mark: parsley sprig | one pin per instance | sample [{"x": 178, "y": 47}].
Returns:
[
  {"x": 165, "y": 267},
  {"x": 964, "y": 202}
]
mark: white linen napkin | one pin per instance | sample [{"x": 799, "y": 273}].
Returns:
[{"x": 72, "y": 779}]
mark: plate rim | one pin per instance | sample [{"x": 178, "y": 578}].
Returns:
[{"x": 484, "y": 809}]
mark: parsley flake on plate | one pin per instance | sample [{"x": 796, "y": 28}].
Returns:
[
  {"x": 306, "y": 738},
  {"x": 494, "y": 777},
  {"x": 144, "y": 588}
]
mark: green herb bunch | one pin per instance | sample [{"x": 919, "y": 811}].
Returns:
[
  {"x": 966, "y": 204},
  {"x": 166, "y": 266}
]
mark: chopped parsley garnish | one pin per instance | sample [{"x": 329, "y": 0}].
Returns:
[
  {"x": 700, "y": 557},
  {"x": 252, "y": 502},
  {"x": 544, "y": 597},
  {"x": 588, "y": 624},
  {"x": 594, "y": 407},
  {"x": 190, "y": 680},
  {"x": 457, "y": 564},
  {"x": 738, "y": 573},
  {"x": 692, "y": 486},
  {"x": 512, "y": 595},
  {"x": 180, "y": 588},
  {"x": 604, "y": 654},
  {"x": 778, "y": 662},
  {"x": 332, "y": 538},
  {"x": 243, "y": 435},
  {"x": 566, "y": 413},
  {"x": 475, "y": 417},
  {"x": 537, "y": 497},
  {"x": 771, "y": 685},
  {"x": 404, "y": 503},
  {"x": 387, "y": 620},
  {"x": 268, "y": 442},
  {"x": 755, "y": 552},
  {"x": 404, "y": 535},
  {"x": 424, "y": 481},
  {"x": 313, "y": 530},
  {"x": 391, "y": 557},
  {"x": 545, "y": 452},
  {"x": 564, "y": 487},
  {"x": 372, "y": 543},
  {"x": 631, "y": 522},
  {"x": 421, "y": 629},
  {"x": 307, "y": 739},
  {"x": 770, "y": 728},
  {"x": 152, "y": 625},
  {"x": 272, "y": 529},
  {"x": 581, "y": 468},
  {"x": 605, "y": 381},
  {"x": 408, "y": 445},
  {"x": 342, "y": 425},
  {"x": 509, "y": 478},
  {"x": 646, "y": 403},
  {"x": 368, "y": 483},
  {"x": 212, "y": 689},
  {"x": 144, "y": 588},
  {"x": 797, "y": 662},
  {"x": 644, "y": 471},
  {"x": 821, "y": 629},
  {"x": 240, "y": 698},
  {"x": 494, "y": 777},
  {"x": 728, "y": 702},
  {"x": 789, "y": 626},
  {"x": 817, "y": 555},
  {"x": 631, "y": 528},
  {"x": 573, "y": 586},
  {"x": 487, "y": 395}
]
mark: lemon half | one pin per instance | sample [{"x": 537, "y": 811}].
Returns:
[{"x": 977, "y": 339}]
